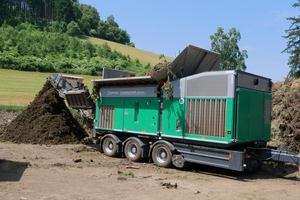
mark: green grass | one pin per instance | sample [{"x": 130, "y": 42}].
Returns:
[
  {"x": 38, "y": 157},
  {"x": 74, "y": 148},
  {"x": 127, "y": 174},
  {"x": 145, "y": 57},
  {"x": 19, "y": 88},
  {"x": 11, "y": 108}
]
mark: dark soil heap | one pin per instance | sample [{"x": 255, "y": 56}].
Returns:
[
  {"x": 47, "y": 120},
  {"x": 286, "y": 114}
]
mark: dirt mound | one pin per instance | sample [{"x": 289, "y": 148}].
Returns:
[
  {"x": 286, "y": 114},
  {"x": 47, "y": 120}
]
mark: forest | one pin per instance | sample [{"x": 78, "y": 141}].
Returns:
[
  {"x": 25, "y": 48},
  {"x": 49, "y": 36},
  {"x": 61, "y": 16}
]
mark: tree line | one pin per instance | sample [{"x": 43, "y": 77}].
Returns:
[
  {"x": 81, "y": 18},
  {"x": 25, "y": 48},
  {"x": 68, "y": 16}
]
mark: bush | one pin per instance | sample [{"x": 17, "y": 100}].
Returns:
[
  {"x": 73, "y": 29},
  {"x": 25, "y": 48},
  {"x": 131, "y": 44}
]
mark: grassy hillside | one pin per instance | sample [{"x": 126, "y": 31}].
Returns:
[
  {"x": 145, "y": 57},
  {"x": 20, "y": 87}
]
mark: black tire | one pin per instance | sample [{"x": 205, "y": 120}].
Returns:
[
  {"x": 260, "y": 164},
  {"x": 250, "y": 166},
  {"x": 255, "y": 165},
  {"x": 162, "y": 155},
  {"x": 133, "y": 151},
  {"x": 109, "y": 147}
]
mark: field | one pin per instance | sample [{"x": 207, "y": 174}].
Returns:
[
  {"x": 145, "y": 57},
  {"x": 20, "y": 87}
]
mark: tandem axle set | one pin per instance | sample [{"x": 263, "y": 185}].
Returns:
[{"x": 179, "y": 154}]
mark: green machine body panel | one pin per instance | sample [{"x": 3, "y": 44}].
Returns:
[
  {"x": 118, "y": 115},
  {"x": 141, "y": 115},
  {"x": 221, "y": 108},
  {"x": 130, "y": 109},
  {"x": 173, "y": 119},
  {"x": 253, "y": 115}
]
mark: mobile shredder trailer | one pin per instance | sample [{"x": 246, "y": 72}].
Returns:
[{"x": 216, "y": 118}]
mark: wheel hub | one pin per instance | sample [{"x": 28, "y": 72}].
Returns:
[
  {"x": 133, "y": 150},
  {"x": 161, "y": 155},
  {"x": 109, "y": 146}
]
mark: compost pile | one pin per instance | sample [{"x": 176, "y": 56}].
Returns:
[
  {"x": 286, "y": 114},
  {"x": 46, "y": 120}
]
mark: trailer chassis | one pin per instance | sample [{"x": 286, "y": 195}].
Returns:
[{"x": 242, "y": 159}]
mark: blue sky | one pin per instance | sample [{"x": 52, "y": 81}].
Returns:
[{"x": 167, "y": 27}]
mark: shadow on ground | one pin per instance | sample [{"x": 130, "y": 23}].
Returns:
[
  {"x": 267, "y": 171},
  {"x": 12, "y": 170}
]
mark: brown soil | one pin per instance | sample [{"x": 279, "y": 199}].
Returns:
[
  {"x": 49, "y": 172},
  {"x": 47, "y": 120}
]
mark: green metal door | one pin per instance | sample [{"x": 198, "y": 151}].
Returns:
[
  {"x": 173, "y": 118},
  {"x": 141, "y": 115},
  {"x": 253, "y": 115}
]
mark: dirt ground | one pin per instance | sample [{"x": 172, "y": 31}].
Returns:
[{"x": 48, "y": 172}]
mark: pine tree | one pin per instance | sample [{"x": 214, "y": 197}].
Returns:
[{"x": 293, "y": 44}]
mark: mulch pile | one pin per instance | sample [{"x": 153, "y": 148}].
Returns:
[
  {"x": 47, "y": 120},
  {"x": 286, "y": 114}
]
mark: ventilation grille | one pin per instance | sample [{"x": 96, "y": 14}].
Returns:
[
  {"x": 79, "y": 100},
  {"x": 206, "y": 117},
  {"x": 106, "y": 116}
]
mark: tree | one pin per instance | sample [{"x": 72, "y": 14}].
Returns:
[
  {"x": 293, "y": 44},
  {"x": 111, "y": 21},
  {"x": 55, "y": 15},
  {"x": 1, "y": 44},
  {"x": 131, "y": 44},
  {"x": 3, "y": 8},
  {"x": 76, "y": 10},
  {"x": 90, "y": 14},
  {"x": 73, "y": 29},
  {"x": 64, "y": 11},
  {"x": 102, "y": 28},
  {"x": 227, "y": 46}
]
